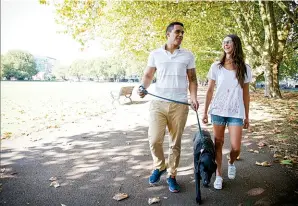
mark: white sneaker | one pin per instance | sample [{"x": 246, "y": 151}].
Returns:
[
  {"x": 218, "y": 183},
  {"x": 231, "y": 171}
]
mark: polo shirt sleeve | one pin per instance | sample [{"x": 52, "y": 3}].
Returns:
[
  {"x": 151, "y": 61},
  {"x": 191, "y": 63},
  {"x": 248, "y": 77},
  {"x": 212, "y": 74}
]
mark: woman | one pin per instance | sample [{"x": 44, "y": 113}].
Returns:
[{"x": 230, "y": 106}]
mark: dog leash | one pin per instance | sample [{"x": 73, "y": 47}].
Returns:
[{"x": 142, "y": 89}]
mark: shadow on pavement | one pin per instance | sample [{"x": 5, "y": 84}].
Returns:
[{"x": 92, "y": 168}]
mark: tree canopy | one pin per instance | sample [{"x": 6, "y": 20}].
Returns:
[
  {"x": 266, "y": 28},
  {"x": 18, "y": 64}
]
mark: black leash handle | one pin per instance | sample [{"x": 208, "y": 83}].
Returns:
[{"x": 142, "y": 89}]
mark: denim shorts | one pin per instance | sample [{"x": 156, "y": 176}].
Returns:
[{"x": 229, "y": 121}]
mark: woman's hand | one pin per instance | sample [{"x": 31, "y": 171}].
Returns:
[
  {"x": 205, "y": 119},
  {"x": 246, "y": 123}
]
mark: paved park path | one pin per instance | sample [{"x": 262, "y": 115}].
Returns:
[{"x": 97, "y": 157}]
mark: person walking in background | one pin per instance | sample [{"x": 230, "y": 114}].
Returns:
[
  {"x": 173, "y": 66},
  {"x": 230, "y": 106}
]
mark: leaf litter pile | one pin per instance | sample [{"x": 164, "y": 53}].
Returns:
[{"x": 280, "y": 130}]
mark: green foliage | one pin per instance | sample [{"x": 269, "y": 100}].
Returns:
[
  {"x": 289, "y": 65},
  {"x": 99, "y": 68},
  {"x": 288, "y": 68},
  {"x": 78, "y": 68},
  {"x": 137, "y": 27},
  {"x": 18, "y": 64},
  {"x": 80, "y": 18},
  {"x": 61, "y": 72}
]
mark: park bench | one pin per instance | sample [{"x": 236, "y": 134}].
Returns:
[{"x": 124, "y": 91}]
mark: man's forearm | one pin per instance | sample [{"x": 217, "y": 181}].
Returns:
[
  {"x": 193, "y": 89},
  {"x": 146, "y": 81},
  {"x": 193, "y": 83},
  {"x": 148, "y": 76}
]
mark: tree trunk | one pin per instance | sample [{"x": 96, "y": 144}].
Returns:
[
  {"x": 257, "y": 71},
  {"x": 271, "y": 81},
  {"x": 272, "y": 49},
  {"x": 268, "y": 81},
  {"x": 276, "y": 90}
]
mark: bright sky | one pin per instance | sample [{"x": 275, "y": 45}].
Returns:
[{"x": 27, "y": 25}]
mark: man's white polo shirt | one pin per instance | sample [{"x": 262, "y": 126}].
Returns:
[{"x": 171, "y": 76}]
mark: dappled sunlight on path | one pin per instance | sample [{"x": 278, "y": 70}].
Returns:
[{"x": 95, "y": 157}]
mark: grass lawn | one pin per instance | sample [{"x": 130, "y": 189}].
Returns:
[{"x": 28, "y": 107}]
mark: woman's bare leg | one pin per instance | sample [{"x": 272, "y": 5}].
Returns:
[
  {"x": 235, "y": 139},
  {"x": 219, "y": 132}
]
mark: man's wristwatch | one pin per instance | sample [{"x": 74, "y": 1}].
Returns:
[{"x": 143, "y": 89}]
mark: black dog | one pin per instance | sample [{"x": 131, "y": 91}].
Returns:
[{"x": 204, "y": 161}]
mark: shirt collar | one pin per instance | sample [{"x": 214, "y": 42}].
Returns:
[{"x": 164, "y": 47}]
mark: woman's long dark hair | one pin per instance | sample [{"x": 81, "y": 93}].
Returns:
[{"x": 238, "y": 59}]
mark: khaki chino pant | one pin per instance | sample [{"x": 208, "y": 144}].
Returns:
[{"x": 172, "y": 115}]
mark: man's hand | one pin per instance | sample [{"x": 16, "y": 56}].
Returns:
[
  {"x": 246, "y": 123},
  {"x": 194, "y": 104},
  {"x": 141, "y": 92}
]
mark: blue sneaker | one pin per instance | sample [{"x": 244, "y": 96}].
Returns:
[
  {"x": 155, "y": 177},
  {"x": 173, "y": 185}
]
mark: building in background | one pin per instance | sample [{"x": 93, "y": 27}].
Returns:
[{"x": 44, "y": 66}]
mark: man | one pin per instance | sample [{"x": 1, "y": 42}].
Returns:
[{"x": 172, "y": 66}]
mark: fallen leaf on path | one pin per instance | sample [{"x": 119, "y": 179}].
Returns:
[
  {"x": 6, "y": 135},
  {"x": 256, "y": 151},
  {"x": 53, "y": 179},
  {"x": 63, "y": 205},
  {"x": 286, "y": 157},
  {"x": 259, "y": 137},
  {"x": 255, "y": 191},
  {"x": 250, "y": 130},
  {"x": 120, "y": 196},
  {"x": 277, "y": 156},
  {"x": 262, "y": 144},
  {"x": 264, "y": 164},
  {"x": 286, "y": 162},
  {"x": 153, "y": 200},
  {"x": 54, "y": 184},
  {"x": 251, "y": 150}
]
